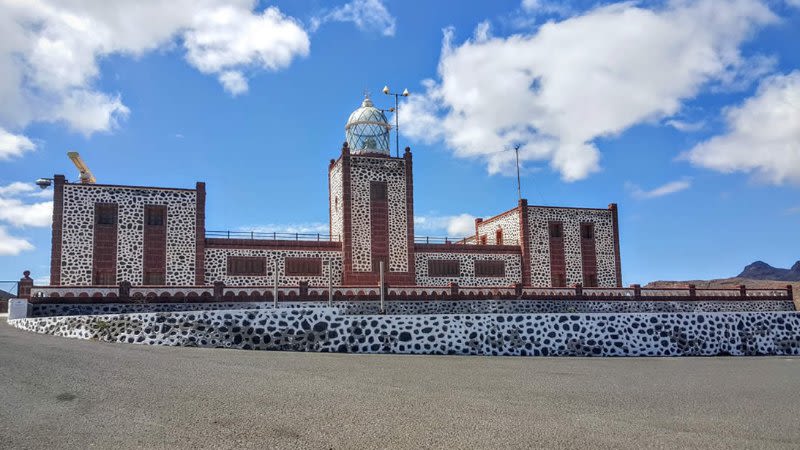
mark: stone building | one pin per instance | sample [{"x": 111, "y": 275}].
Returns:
[{"x": 106, "y": 234}]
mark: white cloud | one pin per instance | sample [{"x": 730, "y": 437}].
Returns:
[
  {"x": 12, "y": 245},
  {"x": 684, "y": 126},
  {"x": 20, "y": 214},
  {"x": 660, "y": 191},
  {"x": 557, "y": 90},
  {"x": 303, "y": 228},
  {"x": 233, "y": 82},
  {"x": 367, "y": 15},
  {"x": 12, "y": 145},
  {"x": 545, "y": 7},
  {"x": 763, "y": 136},
  {"x": 50, "y": 52},
  {"x": 19, "y": 188},
  {"x": 458, "y": 226}
]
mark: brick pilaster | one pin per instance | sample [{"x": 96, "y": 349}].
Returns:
[
  {"x": 617, "y": 260},
  {"x": 58, "y": 229},
  {"x": 200, "y": 237},
  {"x": 524, "y": 241},
  {"x": 347, "y": 238},
  {"x": 410, "y": 212}
]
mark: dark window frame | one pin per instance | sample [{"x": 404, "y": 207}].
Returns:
[
  {"x": 490, "y": 268},
  {"x": 587, "y": 231},
  {"x": 155, "y": 215},
  {"x": 555, "y": 230},
  {"x": 246, "y": 266},
  {"x": 302, "y": 267},
  {"x": 106, "y": 214},
  {"x": 378, "y": 191},
  {"x": 444, "y": 268}
]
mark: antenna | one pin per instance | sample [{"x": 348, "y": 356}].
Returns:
[
  {"x": 86, "y": 174},
  {"x": 519, "y": 188}
]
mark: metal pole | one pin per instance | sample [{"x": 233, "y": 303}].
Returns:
[
  {"x": 519, "y": 189},
  {"x": 330, "y": 282},
  {"x": 397, "y": 124},
  {"x": 382, "y": 299},
  {"x": 275, "y": 288}
]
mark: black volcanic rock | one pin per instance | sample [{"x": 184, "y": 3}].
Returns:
[{"x": 760, "y": 270}]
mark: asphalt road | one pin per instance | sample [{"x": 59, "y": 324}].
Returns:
[{"x": 64, "y": 393}]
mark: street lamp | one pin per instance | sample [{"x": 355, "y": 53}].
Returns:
[{"x": 396, "y": 114}]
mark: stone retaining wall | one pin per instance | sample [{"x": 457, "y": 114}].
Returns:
[
  {"x": 324, "y": 329},
  {"x": 430, "y": 307}
]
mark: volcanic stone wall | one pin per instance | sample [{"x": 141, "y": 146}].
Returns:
[
  {"x": 428, "y": 307},
  {"x": 217, "y": 267},
  {"x": 336, "y": 195},
  {"x": 364, "y": 170},
  {"x": 78, "y": 232},
  {"x": 539, "y": 217},
  {"x": 507, "y": 222},
  {"x": 327, "y": 330},
  {"x": 513, "y": 269}
]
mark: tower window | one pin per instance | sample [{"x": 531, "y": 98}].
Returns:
[
  {"x": 105, "y": 214},
  {"x": 556, "y": 230},
  {"x": 587, "y": 230},
  {"x": 308, "y": 267},
  {"x": 154, "y": 215},
  {"x": 378, "y": 190}
]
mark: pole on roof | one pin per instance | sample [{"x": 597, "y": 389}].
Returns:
[
  {"x": 519, "y": 188},
  {"x": 383, "y": 310}
]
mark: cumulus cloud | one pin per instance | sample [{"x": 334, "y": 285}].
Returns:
[
  {"x": 458, "y": 226},
  {"x": 660, "y": 191},
  {"x": 684, "y": 126},
  {"x": 12, "y": 245},
  {"x": 50, "y": 53},
  {"x": 763, "y": 136},
  {"x": 557, "y": 90},
  {"x": 366, "y": 15},
  {"x": 17, "y": 210},
  {"x": 301, "y": 227},
  {"x": 12, "y": 145}
]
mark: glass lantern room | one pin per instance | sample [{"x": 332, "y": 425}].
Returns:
[{"x": 367, "y": 130}]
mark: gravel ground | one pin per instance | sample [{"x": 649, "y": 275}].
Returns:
[{"x": 63, "y": 393}]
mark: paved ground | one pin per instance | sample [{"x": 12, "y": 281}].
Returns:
[{"x": 59, "y": 392}]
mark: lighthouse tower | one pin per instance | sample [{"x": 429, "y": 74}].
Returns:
[{"x": 372, "y": 202}]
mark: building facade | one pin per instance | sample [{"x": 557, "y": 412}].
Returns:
[{"x": 105, "y": 234}]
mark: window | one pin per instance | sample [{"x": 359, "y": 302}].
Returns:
[
  {"x": 498, "y": 236},
  {"x": 490, "y": 268},
  {"x": 154, "y": 278},
  {"x": 483, "y": 239},
  {"x": 247, "y": 265},
  {"x": 105, "y": 214},
  {"x": 307, "y": 267},
  {"x": 104, "y": 278},
  {"x": 154, "y": 215},
  {"x": 444, "y": 268},
  {"x": 587, "y": 230},
  {"x": 556, "y": 230},
  {"x": 559, "y": 280},
  {"x": 589, "y": 280},
  {"x": 378, "y": 190}
]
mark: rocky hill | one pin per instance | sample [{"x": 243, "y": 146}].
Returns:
[{"x": 760, "y": 270}]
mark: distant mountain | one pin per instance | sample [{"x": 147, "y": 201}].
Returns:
[{"x": 760, "y": 270}]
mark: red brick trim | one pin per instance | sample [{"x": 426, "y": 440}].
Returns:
[
  {"x": 524, "y": 242},
  {"x": 410, "y": 212},
  {"x": 200, "y": 234},
  {"x": 567, "y": 207},
  {"x": 104, "y": 243},
  {"x": 125, "y": 186},
  {"x": 154, "y": 245},
  {"x": 347, "y": 236},
  {"x": 588, "y": 255},
  {"x": 323, "y": 246},
  {"x": 499, "y": 216},
  {"x": 58, "y": 229},
  {"x": 466, "y": 248},
  {"x": 617, "y": 259}
]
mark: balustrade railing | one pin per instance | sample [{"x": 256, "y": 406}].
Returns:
[{"x": 273, "y": 236}]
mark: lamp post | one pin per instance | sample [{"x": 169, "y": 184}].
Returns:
[{"x": 396, "y": 115}]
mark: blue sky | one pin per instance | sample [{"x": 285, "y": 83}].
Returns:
[{"x": 685, "y": 113}]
